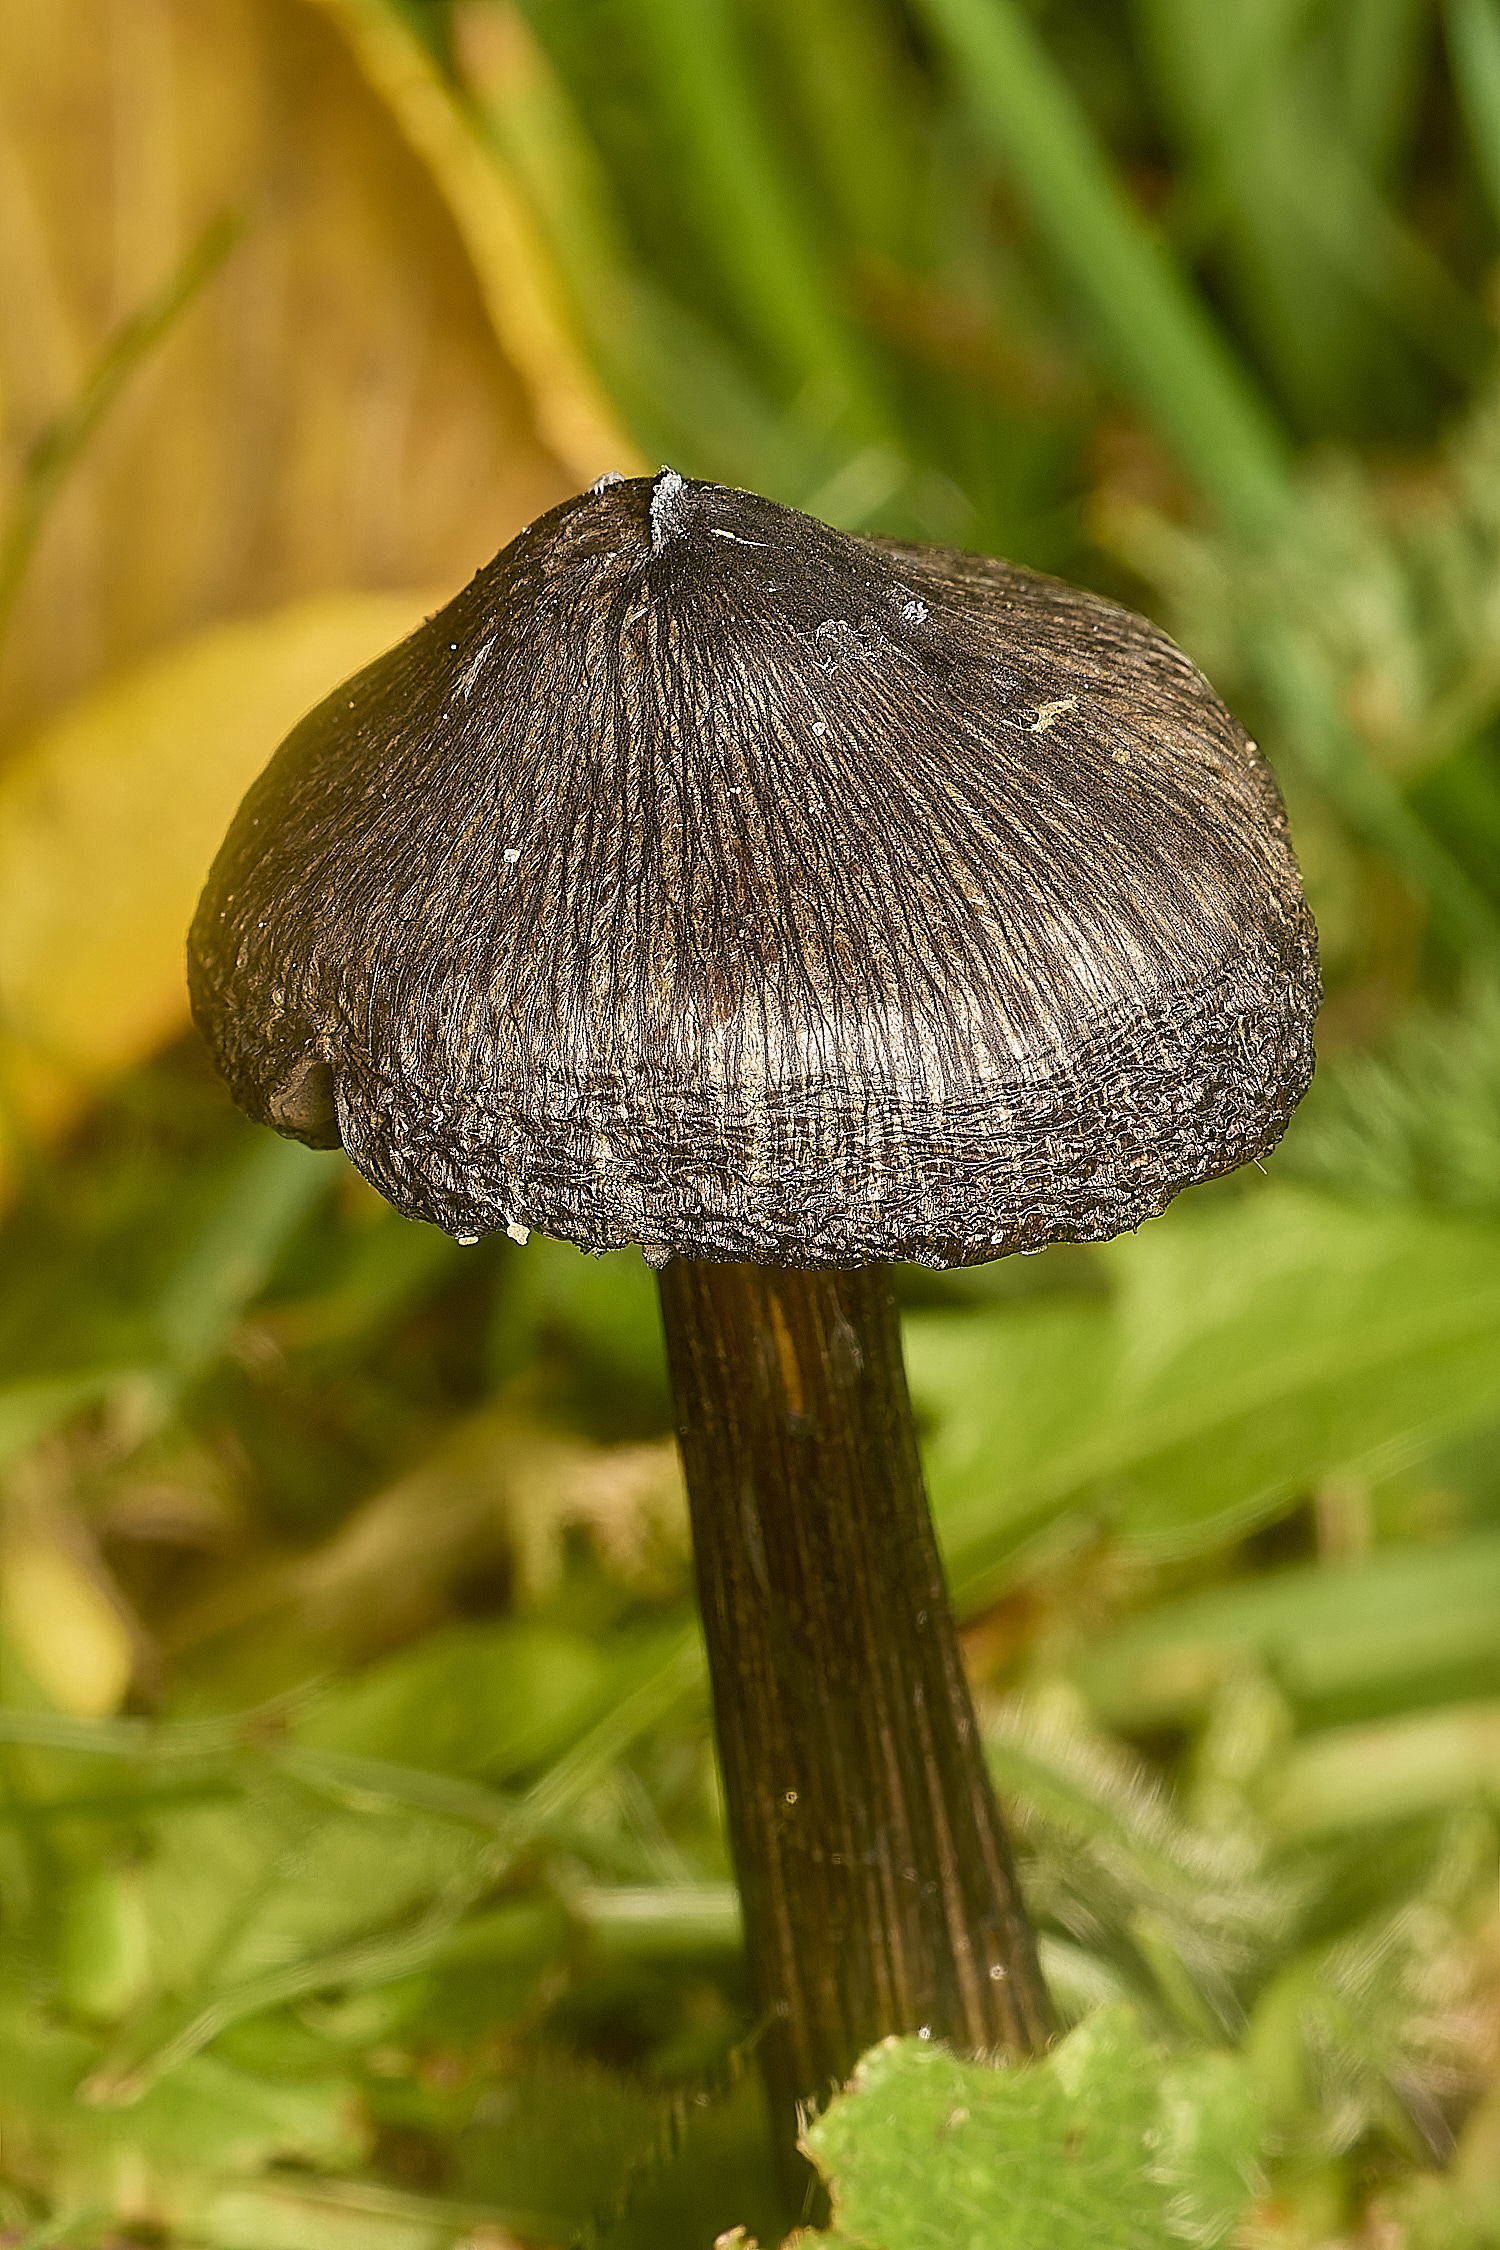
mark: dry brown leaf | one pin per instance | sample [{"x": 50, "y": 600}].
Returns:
[
  {"x": 497, "y": 1496},
  {"x": 108, "y": 823},
  {"x": 375, "y": 388}
]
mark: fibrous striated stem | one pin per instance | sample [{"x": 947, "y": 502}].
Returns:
[{"x": 878, "y": 1889}]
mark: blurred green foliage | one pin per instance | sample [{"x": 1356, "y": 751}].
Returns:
[
  {"x": 361, "y": 1864},
  {"x": 1113, "y": 2147}
]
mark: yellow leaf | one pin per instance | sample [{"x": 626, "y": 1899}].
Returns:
[
  {"x": 65, "y": 1629},
  {"x": 108, "y": 823}
]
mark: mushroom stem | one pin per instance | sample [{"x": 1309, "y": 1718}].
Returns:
[{"x": 878, "y": 1890}]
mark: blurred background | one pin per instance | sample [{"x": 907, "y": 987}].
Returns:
[{"x": 362, "y": 1880}]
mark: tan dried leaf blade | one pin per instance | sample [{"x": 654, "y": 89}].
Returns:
[{"x": 333, "y": 408}]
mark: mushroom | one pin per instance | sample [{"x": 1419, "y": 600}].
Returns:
[{"x": 787, "y": 903}]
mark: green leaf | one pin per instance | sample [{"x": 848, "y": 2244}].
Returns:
[
  {"x": 1104, "y": 2146},
  {"x": 471, "y": 1699},
  {"x": 235, "y": 1890},
  {"x": 1348, "y": 1778},
  {"x": 229, "y": 1261},
  {"x": 103, "y": 1944},
  {"x": 1252, "y": 1345},
  {"x": 606, "y": 1308},
  {"x": 207, "y": 2117},
  {"x": 1308, "y": 696},
  {"x": 257, "y": 1903},
  {"x": 743, "y": 203},
  {"x": 273, "y": 1898},
  {"x": 1337, "y": 1637}
]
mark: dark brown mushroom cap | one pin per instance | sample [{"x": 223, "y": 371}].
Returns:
[{"x": 705, "y": 878}]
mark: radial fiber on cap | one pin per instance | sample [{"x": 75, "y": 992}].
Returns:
[{"x": 705, "y": 878}]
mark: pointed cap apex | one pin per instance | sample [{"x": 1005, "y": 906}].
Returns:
[{"x": 669, "y": 511}]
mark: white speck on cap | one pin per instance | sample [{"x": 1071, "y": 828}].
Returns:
[{"x": 664, "y": 497}]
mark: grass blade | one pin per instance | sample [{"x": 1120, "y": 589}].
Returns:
[
  {"x": 750, "y": 211},
  {"x": 1164, "y": 345},
  {"x": 1369, "y": 1776},
  {"x": 233, "y": 1255},
  {"x": 1352, "y": 1638},
  {"x": 1474, "y": 48},
  {"x": 1380, "y": 80}
]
